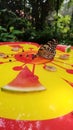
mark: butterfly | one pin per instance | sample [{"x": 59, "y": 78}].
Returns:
[{"x": 48, "y": 50}]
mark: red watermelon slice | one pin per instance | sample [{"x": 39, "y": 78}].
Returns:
[
  {"x": 25, "y": 81},
  {"x": 63, "y": 48}
]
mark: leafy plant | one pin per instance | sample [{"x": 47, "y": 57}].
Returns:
[
  {"x": 11, "y": 35},
  {"x": 64, "y": 23}
]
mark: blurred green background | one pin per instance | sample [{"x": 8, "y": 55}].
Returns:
[{"x": 36, "y": 20}]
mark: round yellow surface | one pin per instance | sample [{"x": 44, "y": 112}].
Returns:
[{"x": 57, "y": 98}]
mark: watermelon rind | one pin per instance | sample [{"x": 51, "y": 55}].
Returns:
[
  {"x": 29, "y": 89},
  {"x": 64, "y": 48},
  {"x": 68, "y": 49}
]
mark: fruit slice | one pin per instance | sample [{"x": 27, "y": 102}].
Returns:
[
  {"x": 64, "y": 57},
  {"x": 50, "y": 68},
  {"x": 15, "y": 49},
  {"x": 63, "y": 48},
  {"x": 25, "y": 81},
  {"x": 2, "y": 55}
]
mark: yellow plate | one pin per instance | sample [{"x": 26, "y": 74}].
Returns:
[{"x": 55, "y": 101}]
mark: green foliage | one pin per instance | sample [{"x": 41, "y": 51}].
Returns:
[
  {"x": 9, "y": 18},
  {"x": 41, "y": 36},
  {"x": 62, "y": 28},
  {"x": 63, "y": 23},
  {"x": 11, "y": 35},
  {"x": 12, "y": 27},
  {"x": 33, "y": 25}
]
